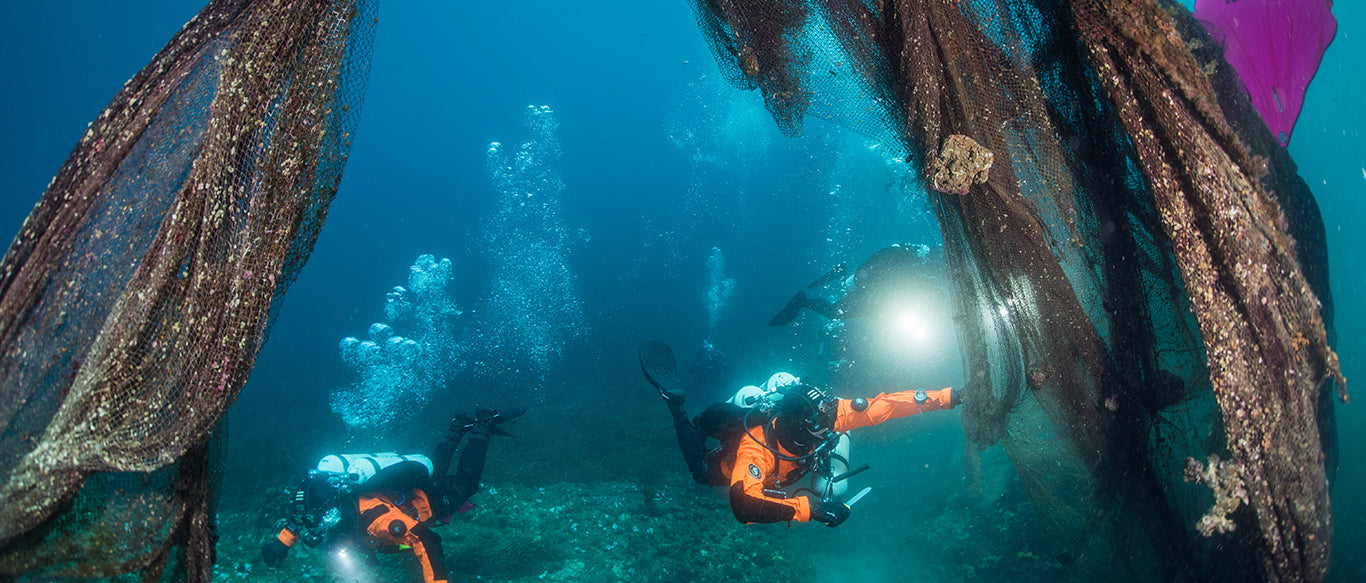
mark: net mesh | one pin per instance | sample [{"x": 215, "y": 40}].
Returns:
[
  {"x": 139, "y": 289},
  {"x": 1139, "y": 274}
]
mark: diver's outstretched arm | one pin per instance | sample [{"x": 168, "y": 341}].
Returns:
[{"x": 891, "y": 406}]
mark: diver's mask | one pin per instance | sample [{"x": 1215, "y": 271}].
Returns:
[
  {"x": 315, "y": 501},
  {"x": 805, "y": 419}
]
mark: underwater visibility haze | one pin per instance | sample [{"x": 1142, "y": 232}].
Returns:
[{"x": 531, "y": 193}]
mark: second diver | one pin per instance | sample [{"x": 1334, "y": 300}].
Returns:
[{"x": 770, "y": 438}]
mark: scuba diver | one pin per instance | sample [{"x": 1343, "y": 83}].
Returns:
[
  {"x": 388, "y": 502},
  {"x": 772, "y": 437},
  {"x": 889, "y": 272}
]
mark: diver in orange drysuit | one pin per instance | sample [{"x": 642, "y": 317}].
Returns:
[
  {"x": 396, "y": 507},
  {"x": 773, "y": 436}
]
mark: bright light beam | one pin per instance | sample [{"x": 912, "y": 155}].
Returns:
[
  {"x": 344, "y": 564},
  {"x": 910, "y": 329},
  {"x": 913, "y": 326}
]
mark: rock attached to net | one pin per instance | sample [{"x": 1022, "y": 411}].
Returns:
[{"x": 961, "y": 163}]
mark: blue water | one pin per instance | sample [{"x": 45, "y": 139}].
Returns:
[{"x": 661, "y": 164}]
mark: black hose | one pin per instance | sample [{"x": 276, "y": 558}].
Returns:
[{"x": 851, "y": 473}]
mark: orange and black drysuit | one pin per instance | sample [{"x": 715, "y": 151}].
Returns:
[
  {"x": 748, "y": 465},
  {"x": 399, "y": 519},
  {"x": 395, "y": 508}
]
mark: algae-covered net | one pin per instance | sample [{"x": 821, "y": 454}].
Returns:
[
  {"x": 1139, "y": 274},
  {"x": 136, "y": 295}
]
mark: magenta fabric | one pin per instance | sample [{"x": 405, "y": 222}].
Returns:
[{"x": 1275, "y": 45}]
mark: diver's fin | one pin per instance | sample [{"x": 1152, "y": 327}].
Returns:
[
  {"x": 660, "y": 368},
  {"x": 491, "y": 418},
  {"x": 510, "y": 414},
  {"x": 789, "y": 312},
  {"x": 503, "y": 417},
  {"x": 838, "y": 272}
]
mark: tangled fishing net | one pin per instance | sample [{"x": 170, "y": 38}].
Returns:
[
  {"x": 1140, "y": 279},
  {"x": 137, "y": 293}
]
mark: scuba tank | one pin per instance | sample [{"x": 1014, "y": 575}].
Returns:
[
  {"x": 750, "y": 396},
  {"x": 360, "y": 467}
]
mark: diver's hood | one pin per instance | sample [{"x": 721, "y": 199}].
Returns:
[{"x": 804, "y": 418}]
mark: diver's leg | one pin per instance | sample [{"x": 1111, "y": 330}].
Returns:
[
  {"x": 465, "y": 482},
  {"x": 449, "y": 492},
  {"x": 832, "y": 310},
  {"x": 838, "y": 272},
  {"x": 722, "y": 420},
  {"x": 790, "y": 311},
  {"x": 801, "y": 300},
  {"x": 444, "y": 451},
  {"x": 716, "y": 475},
  {"x": 430, "y": 555},
  {"x": 690, "y": 442},
  {"x": 858, "y": 302}
]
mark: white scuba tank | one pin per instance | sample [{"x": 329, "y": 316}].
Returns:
[
  {"x": 839, "y": 463},
  {"x": 363, "y": 466},
  {"x": 750, "y": 396}
]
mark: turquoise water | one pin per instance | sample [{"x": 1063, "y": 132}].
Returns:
[{"x": 661, "y": 164}]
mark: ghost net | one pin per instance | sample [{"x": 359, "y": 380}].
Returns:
[
  {"x": 1137, "y": 269},
  {"x": 135, "y": 297}
]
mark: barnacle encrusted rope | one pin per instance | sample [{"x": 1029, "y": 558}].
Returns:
[
  {"x": 1125, "y": 281},
  {"x": 137, "y": 293},
  {"x": 1264, "y": 339}
]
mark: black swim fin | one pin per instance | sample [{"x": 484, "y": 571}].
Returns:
[
  {"x": 493, "y": 418},
  {"x": 660, "y": 368},
  {"x": 789, "y": 312}
]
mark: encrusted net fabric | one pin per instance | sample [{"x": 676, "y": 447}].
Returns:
[
  {"x": 1139, "y": 273},
  {"x": 137, "y": 293}
]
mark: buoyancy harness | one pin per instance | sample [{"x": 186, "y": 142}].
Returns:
[
  {"x": 815, "y": 460},
  {"x": 390, "y": 517},
  {"x": 826, "y": 461},
  {"x": 395, "y": 520}
]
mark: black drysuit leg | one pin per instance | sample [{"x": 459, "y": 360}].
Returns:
[
  {"x": 703, "y": 464},
  {"x": 455, "y": 490},
  {"x": 471, "y": 467},
  {"x": 691, "y": 443}
]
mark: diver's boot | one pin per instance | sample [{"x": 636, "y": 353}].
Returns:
[
  {"x": 489, "y": 420},
  {"x": 459, "y": 426},
  {"x": 673, "y": 398},
  {"x": 790, "y": 311}
]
